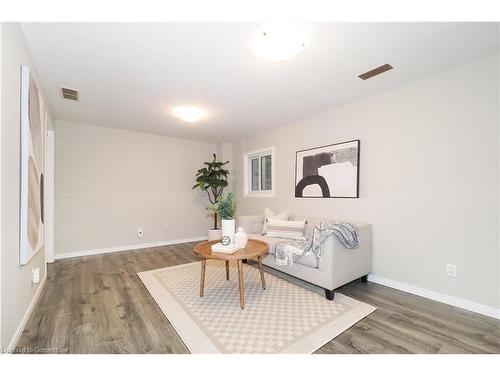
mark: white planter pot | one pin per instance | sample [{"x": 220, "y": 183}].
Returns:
[
  {"x": 214, "y": 234},
  {"x": 228, "y": 229}
]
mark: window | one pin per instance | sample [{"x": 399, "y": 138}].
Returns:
[{"x": 259, "y": 173}]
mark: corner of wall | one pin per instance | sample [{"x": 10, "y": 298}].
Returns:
[
  {"x": 225, "y": 153},
  {"x": 15, "y": 302}
]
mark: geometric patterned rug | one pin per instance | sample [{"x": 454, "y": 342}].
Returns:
[{"x": 283, "y": 318}]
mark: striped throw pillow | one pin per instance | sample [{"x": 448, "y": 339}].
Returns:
[
  {"x": 269, "y": 214},
  {"x": 292, "y": 230}
]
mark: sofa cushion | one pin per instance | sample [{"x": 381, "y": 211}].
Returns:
[
  {"x": 309, "y": 260},
  {"x": 292, "y": 230},
  {"x": 271, "y": 241}
]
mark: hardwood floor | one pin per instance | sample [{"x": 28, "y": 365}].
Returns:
[{"x": 97, "y": 304}]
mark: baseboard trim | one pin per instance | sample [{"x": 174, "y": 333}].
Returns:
[
  {"x": 436, "y": 296},
  {"x": 20, "y": 329},
  {"x": 126, "y": 248}
]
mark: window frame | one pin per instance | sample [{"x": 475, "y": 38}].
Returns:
[{"x": 247, "y": 170}]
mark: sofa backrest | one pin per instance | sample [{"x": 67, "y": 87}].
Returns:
[
  {"x": 311, "y": 222},
  {"x": 254, "y": 223}
]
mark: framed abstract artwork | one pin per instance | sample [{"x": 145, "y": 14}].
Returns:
[
  {"x": 330, "y": 171},
  {"x": 32, "y": 237}
]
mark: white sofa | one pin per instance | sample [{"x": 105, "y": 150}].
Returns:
[{"x": 336, "y": 267}]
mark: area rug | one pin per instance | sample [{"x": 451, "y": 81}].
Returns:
[{"x": 284, "y": 318}]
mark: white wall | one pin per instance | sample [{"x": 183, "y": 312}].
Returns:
[
  {"x": 17, "y": 290},
  {"x": 109, "y": 182},
  {"x": 429, "y": 179}
]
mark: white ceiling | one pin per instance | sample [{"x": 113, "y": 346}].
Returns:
[{"x": 131, "y": 74}]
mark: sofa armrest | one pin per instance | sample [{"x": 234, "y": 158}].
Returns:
[
  {"x": 343, "y": 265},
  {"x": 251, "y": 223}
]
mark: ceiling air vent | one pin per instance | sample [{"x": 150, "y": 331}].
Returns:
[
  {"x": 69, "y": 93},
  {"x": 375, "y": 72}
]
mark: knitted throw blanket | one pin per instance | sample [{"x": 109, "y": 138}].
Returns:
[{"x": 287, "y": 252}]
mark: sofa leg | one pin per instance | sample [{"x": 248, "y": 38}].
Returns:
[
  {"x": 364, "y": 278},
  {"x": 329, "y": 294}
]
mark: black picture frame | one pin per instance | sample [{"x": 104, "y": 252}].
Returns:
[{"x": 313, "y": 180}]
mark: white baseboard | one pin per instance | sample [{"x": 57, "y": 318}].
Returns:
[
  {"x": 20, "y": 329},
  {"x": 436, "y": 296},
  {"x": 105, "y": 250}
]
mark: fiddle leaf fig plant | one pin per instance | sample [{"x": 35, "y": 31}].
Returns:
[
  {"x": 212, "y": 179},
  {"x": 225, "y": 207}
]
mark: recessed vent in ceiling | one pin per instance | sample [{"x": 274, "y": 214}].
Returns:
[
  {"x": 69, "y": 93},
  {"x": 375, "y": 72}
]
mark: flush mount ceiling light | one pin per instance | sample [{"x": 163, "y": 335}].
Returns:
[
  {"x": 188, "y": 113},
  {"x": 279, "y": 42}
]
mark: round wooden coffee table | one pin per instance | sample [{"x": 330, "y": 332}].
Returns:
[{"x": 254, "y": 249}]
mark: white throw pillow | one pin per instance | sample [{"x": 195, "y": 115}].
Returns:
[
  {"x": 292, "y": 230},
  {"x": 269, "y": 214}
]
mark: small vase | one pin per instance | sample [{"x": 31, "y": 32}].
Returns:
[
  {"x": 241, "y": 238},
  {"x": 228, "y": 231}
]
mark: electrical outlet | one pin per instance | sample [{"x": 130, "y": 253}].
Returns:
[
  {"x": 451, "y": 270},
  {"x": 35, "y": 275},
  {"x": 140, "y": 232}
]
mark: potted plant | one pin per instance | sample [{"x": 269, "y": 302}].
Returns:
[
  {"x": 225, "y": 208},
  {"x": 213, "y": 179}
]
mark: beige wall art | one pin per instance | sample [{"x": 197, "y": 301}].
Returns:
[{"x": 32, "y": 168}]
